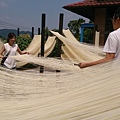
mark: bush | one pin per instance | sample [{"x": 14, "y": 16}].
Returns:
[{"x": 23, "y": 42}]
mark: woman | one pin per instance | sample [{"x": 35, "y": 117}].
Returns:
[
  {"x": 112, "y": 45},
  {"x": 10, "y": 49}
]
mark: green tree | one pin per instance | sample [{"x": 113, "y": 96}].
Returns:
[
  {"x": 74, "y": 27},
  {"x": 88, "y": 35}
]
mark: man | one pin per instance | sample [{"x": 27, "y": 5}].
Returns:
[{"x": 112, "y": 45}]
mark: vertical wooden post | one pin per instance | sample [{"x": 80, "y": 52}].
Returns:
[
  {"x": 42, "y": 35},
  {"x": 39, "y": 54},
  {"x": 42, "y": 39},
  {"x": 94, "y": 34},
  {"x": 18, "y": 32},
  {"x": 32, "y": 32},
  {"x": 60, "y": 31},
  {"x": 38, "y": 31}
]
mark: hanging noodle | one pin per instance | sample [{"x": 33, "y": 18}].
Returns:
[{"x": 92, "y": 93}]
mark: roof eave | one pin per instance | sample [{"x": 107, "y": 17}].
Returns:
[{"x": 87, "y": 11}]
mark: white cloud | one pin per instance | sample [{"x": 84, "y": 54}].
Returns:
[{"x": 3, "y": 4}]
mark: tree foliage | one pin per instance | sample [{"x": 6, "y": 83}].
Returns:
[
  {"x": 74, "y": 27},
  {"x": 88, "y": 35},
  {"x": 23, "y": 42}
]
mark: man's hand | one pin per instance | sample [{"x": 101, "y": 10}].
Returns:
[{"x": 83, "y": 65}]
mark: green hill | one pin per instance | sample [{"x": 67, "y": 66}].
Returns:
[{"x": 4, "y": 32}]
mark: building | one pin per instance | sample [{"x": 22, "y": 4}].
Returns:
[{"x": 99, "y": 11}]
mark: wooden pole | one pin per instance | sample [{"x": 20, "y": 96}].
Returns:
[
  {"x": 18, "y": 32},
  {"x": 60, "y": 31},
  {"x": 32, "y": 32},
  {"x": 42, "y": 39},
  {"x": 38, "y": 31}
]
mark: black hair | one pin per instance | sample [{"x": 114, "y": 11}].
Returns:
[
  {"x": 117, "y": 13},
  {"x": 10, "y": 35}
]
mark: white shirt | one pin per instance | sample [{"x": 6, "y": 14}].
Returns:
[
  {"x": 112, "y": 44},
  {"x": 9, "y": 62}
]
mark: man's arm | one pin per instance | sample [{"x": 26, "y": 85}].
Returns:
[{"x": 108, "y": 57}]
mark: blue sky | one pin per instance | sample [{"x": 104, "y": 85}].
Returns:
[{"x": 27, "y": 13}]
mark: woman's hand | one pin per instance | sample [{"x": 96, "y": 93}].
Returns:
[
  {"x": 1, "y": 56},
  {"x": 27, "y": 53}
]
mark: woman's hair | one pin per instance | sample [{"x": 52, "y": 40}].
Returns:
[{"x": 10, "y": 35}]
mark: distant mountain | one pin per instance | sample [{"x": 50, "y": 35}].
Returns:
[{"x": 4, "y": 32}]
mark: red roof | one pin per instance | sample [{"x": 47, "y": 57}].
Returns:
[
  {"x": 87, "y": 8},
  {"x": 93, "y": 3}
]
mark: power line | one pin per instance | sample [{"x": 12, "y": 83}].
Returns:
[
  {"x": 12, "y": 25},
  {"x": 5, "y": 24}
]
